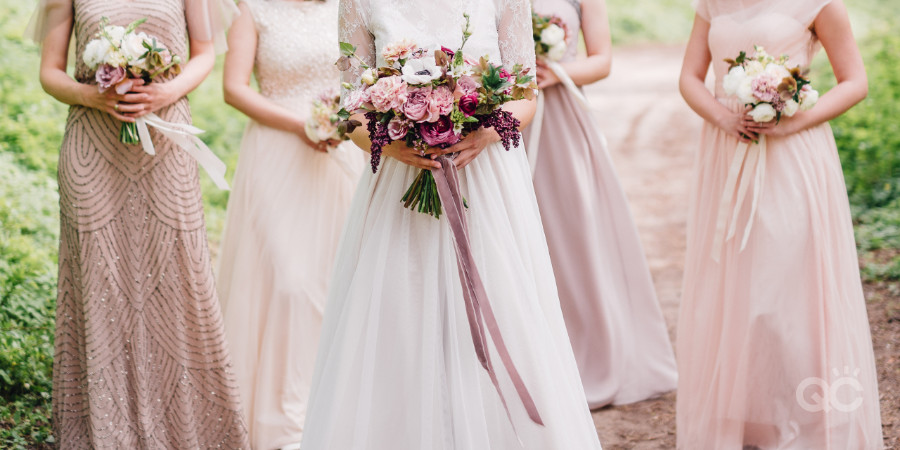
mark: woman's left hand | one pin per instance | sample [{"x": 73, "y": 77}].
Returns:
[
  {"x": 784, "y": 127},
  {"x": 468, "y": 148},
  {"x": 546, "y": 77},
  {"x": 150, "y": 98}
]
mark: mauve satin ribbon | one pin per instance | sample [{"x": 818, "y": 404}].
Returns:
[{"x": 478, "y": 308}]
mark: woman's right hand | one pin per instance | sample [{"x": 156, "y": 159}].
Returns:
[
  {"x": 109, "y": 102},
  {"x": 739, "y": 125},
  {"x": 409, "y": 156}
]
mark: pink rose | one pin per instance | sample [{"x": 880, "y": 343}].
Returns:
[
  {"x": 417, "y": 104},
  {"x": 506, "y": 75},
  {"x": 466, "y": 85},
  {"x": 441, "y": 103},
  {"x": 354, "y": 100},
  {"x": 397, "y": 128},
  {"x": 398, "y": 50},
  {"x": 468, "y": 103},
  {"x": 108, "y": 76},
  {"x": 765, "y": 87},
  {"x": 440, "y": 133},
  {"x": 388, "y": 93}
]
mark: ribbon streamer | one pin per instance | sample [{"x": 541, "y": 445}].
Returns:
[
  {"x": 185, "y": 137},
  {"x": 534, "y": 136},
  {"x": 482, "y": 321},
  {"x": 747, "y": 159}
]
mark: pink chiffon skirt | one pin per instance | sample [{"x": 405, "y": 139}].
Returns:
[{"x": 774, "y": 348}]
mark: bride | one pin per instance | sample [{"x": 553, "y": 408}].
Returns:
[{"x": 397, "y": 367}]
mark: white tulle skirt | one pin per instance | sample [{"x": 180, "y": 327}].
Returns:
[
  {"x": 285, "y": 216},
  {"x": 397, "y": 367}
]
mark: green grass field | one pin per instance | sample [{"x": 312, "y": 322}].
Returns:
[{"x": 31, "y": 126}]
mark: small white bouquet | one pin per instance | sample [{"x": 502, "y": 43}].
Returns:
[
  {"x": 323, "y": 120},
  {"x": 769, "y": 86},
  {"x": 550, "y": 37},
  {"x": 121, "y": 55}
]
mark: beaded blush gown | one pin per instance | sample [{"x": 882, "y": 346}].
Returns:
[
  {"x": 774, "y": 347},
  {"x": 607, "y": 296},
  {"x": 141, "y": 360},
  {"x": 397, "y": 368},
  {"x": 285, "y": 215}
]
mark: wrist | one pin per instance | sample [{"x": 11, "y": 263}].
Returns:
[{"x": 86, "y": 95}]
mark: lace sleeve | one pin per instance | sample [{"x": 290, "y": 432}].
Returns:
[
  {"x": 515, "y": 33},
  {"x": 38, "y": 25},
  {"x": 353, "y": 28},
  {"x": 209, "y": 19}
]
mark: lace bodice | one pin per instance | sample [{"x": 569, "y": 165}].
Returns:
[
  {"x": 501, "y": 28},
  {"x": 570, "y": 12},
  {"x": 296, "y": 49}
]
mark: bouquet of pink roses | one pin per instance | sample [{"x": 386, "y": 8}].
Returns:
[
  {"x": 768, "y": 85},
  {"x": 431, "y": 98},
  {"x": 121, "y": 55}
]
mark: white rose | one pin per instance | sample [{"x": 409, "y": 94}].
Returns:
[
  {"x": 763, "y": 113},
  {"x": 369, "y": 77},
  {"x": 733, "y": 79},
  {"x": 552, "y": 35},
  {"x": 778, "y": 71},
  {"x": 116, "y": 33},
  {"x": 421, "y": 71},
  {"x": 808, "y": 98},
  {"x": 95, "y": 53},
  {"x": 790, "y": 108},
  {"x": 744, "y": 91},
  {"x": 311, "y": 131},
  {"x": 557, "y": 52},
  {"x": 116, "y": 59},
  {"x": 133, "y": 46},
  {"x": 754, "y": 68}
]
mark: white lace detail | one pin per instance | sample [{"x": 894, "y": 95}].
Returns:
[
  {"x": 501, "y": 28},
  {"x": 296, "y": 50}
]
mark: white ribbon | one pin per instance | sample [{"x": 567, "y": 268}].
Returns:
[
  {"x": 534, "y": 135},
  {"x": 747, "y": 158},
  {"x": 185, "y": 137}
]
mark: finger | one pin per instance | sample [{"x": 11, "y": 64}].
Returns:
[
  {"x": 130, "y": 107},
  {"x": 135, "y": 98},
  {"x": 120, "y": 117}
]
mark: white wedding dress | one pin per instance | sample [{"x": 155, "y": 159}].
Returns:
[{"x": 397, "y": 368}]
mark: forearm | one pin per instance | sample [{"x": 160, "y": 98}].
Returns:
[
  {"x": 701, "y": 100},
  {"x": 260, "y": 109},
  {"x": 192, "y": 74},
  {"x": 62, "y": 87},
  {"x": 834, "y": 103},
  {"x": 522, "y": 110},
  {"x": 590, "y": 70}
]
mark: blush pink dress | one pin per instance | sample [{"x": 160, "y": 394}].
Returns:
[
  {"x": 285, "y": 215},
  {"x": 774, "y": 347},
  {"x": 607, "y": 296},
  {"x": 141, "y": 360}
]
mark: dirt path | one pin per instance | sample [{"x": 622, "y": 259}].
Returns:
[{"x": 652, "y": 137}]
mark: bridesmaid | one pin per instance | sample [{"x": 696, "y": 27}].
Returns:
[
  {"x": 774, "y": 344},
  {"x": 141, "y": 360},
  {"x": 607, "y": 296},
  {"x": 285, "y": 213}
]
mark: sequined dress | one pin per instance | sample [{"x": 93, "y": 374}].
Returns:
[
  {"x": 285, "y": 214},
  {"x": 141, "y": 360},
  {"x": 397, "y": 367}
]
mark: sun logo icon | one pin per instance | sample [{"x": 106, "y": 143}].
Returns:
[{"x": 842, "y": 394}]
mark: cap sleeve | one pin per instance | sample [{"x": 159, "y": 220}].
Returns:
[
  {"x": 810, "y": 10},
  {"x": 215, "y": 16},
  {"x": 38, "y": 26},
  {"x": 702, "y": 9}
]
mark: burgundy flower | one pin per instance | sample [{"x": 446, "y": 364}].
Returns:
[
  {"x": 468, "y": 103},
  {"x": 506, "y": 75},
  {"x": 440, "y": 133},
  {"x": 449, "y": 52},
  {"x": 108, "y": 76}
]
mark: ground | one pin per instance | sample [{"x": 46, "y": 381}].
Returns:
[{"x": 653, "y": 136}]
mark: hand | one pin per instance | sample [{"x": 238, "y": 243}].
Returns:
[
  {"x": 740, "y": 125},
  {"x": 409, "y": 156},
  {"x": 144, "y": 99},
  {"x": 321, "y": 146},
  {"x": 108, "y": 102},
  {"x": 546, "y": 77},
  {"x": 469, "y": 147},
  {"x": 786, "y": 126}
]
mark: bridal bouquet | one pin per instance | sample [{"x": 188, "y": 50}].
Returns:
[
  {"x": 550, "y": 37},
  {"x": 120, "y": 55},
  {"x": 768, "y": 85},
  {"x": 431, "y": 98},
  {"x": 324, "y": 116}
]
